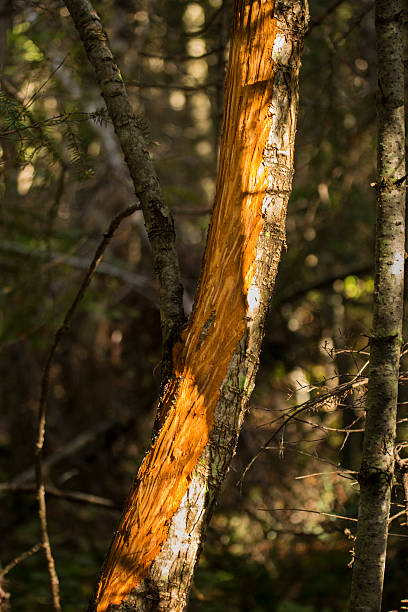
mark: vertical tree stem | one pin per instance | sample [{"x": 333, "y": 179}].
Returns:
[
  {"x": 42, "y": 411},
  {"x": 157, "y": 216},
  {"x": 377, "y": 467}
]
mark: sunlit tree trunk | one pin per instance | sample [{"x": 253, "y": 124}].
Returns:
[
  {"x": 377, "y": 467},
  {"x": 152, "y": 557}
]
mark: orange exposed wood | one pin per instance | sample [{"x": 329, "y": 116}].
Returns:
[{"x": 218, "y": 324}]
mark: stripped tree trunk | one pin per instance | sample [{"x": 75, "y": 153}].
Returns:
[
  {"x": 377, "y": 467},
  {"x": 152, "y": 557}
]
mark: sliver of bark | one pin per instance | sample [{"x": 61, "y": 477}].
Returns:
[{"x": 151, "y": 560}]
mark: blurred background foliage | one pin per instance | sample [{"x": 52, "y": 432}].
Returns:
[{"x": 62, "y": 179}]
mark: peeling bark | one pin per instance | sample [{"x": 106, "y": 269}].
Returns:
[
  {"x": 154, "y": 551},
  {"x": 377, "y": 467}
]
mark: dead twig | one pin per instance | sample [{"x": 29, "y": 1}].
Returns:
[
  {"x": 296, "y": 410},
  {"x": 70, "y": 448},
  {"x": 317, "y": 22},
  {"x": 337, "y": 516},
  {"x": 42, "y": 411},
  {"x": 25, "y": 555},
  {"x": 138, "y": 282},
  {"x": 72, "y": 496}
]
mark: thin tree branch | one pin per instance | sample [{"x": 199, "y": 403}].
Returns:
[
  {"x": 37, "y": 92},
  {"x": 326, "y": 428},
  {"x": 25, "y": 555},
  {"x": 182, "y": 56},
  {"x": 192, "y": 211},
  {"x": 157, "y": 216},
  {"x": 138, "y": 282},
  {"x": 206, "y": 26},
  {"x": 199, "y": 31},
  {"x": 317, "y": 22},
  {"x": 296, "y": 410},
  {"x": 70, "y": 448},
  {"x": 74, "y": 496},
  {"x": 297, "y": 291},
  {"x": 51, "y": 121},
  {"x": 192, "y": 88},
  {"x": 338, "y": 472},
  {"x": 42, "y": 412},
  {"x": 337, "y": 516}
]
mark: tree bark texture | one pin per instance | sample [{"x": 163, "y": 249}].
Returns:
[
  {"x": 377, "y": 467},
  {"x": 157, "y": 216},
  {"x": 154, "y": 550}
]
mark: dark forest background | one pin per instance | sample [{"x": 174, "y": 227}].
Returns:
[{"x": 282, "y": 537}]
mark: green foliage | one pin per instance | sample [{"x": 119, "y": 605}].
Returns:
[
  {"x": 12, "y": 113},
  {"x": 78, "y": 156}
]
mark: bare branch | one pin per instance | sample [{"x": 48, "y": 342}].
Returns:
[
  {"x": 296, "y": 410},
  {"x": 180, "y": 86},
  {"x": 338, "y": 472},
  {"x": 73, "y": 496},
  {"x": 25, "y": 555},
  {"x": 337, "y": 516},
  {"x": 317, "y": 22},
  {"x": 298, "y": 291},
  {"x": 42, "y": 412},
  {"x": 138, "y": 282},
  {"x": 69, "y": 448}
]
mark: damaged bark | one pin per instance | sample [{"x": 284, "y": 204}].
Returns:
[{"x": 154, "y": 551}]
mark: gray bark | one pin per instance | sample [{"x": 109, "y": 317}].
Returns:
[
  {"x": 377, "y": 467},
  {"x": 157, "y": 216}
]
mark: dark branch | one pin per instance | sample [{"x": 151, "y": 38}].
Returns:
[
  {"x": 138, "y": 282},
  {"x": 157, "y": 216},
  {"x": 72, "y": 496},
  {"x": 42, "y": 411}
]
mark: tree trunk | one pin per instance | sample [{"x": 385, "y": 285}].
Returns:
[
  {"x": 377, "y": 467},
  {"x": 154, "y": 550}
]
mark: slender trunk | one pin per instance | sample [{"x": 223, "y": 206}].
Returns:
[
  {"x": 157, "y": 216},
  {"x": 154, "y": 550},
  {"x": 377, "y": 467}
]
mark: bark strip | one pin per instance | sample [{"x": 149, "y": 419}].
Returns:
[
  {"x": 152, "y": 557},
  {"x": 157, "y": 216},
  {"x": 377, "y": 466}
]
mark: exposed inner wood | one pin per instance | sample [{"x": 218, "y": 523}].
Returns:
[{"x": 218, "y": 323}]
